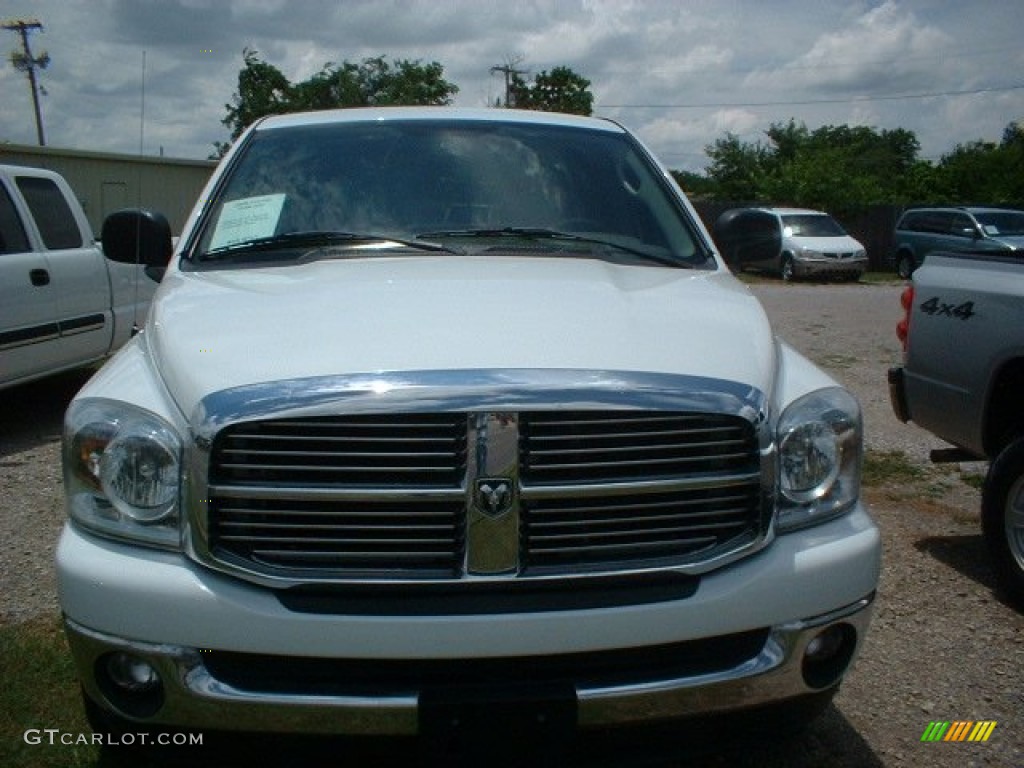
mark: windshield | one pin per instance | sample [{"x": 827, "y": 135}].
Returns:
[
  {"x": 812, "y": 225},
  {"x": 1001, "y": 222},
  {"x": 472, "y": 186}
]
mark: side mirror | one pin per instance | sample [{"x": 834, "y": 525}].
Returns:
[{"x": 137, "y": 236}]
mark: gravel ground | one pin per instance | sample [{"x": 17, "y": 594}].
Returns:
[{"x": 943, "y": 645}]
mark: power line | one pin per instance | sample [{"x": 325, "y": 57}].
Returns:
[
  {"x": 854, "y": 99},
  {"x": 25, "y": 62}
]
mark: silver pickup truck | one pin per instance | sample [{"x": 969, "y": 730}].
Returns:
[
  {"x": 962, "y": 379},
  {"x": 62, "y": 304}
]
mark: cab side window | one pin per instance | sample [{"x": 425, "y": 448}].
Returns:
[
  {"x": 961, "y": 225},
  {"x": 12, "y": 233},
  {"x": 913, "y": 222},
  {"x": 53, "y": 216}
]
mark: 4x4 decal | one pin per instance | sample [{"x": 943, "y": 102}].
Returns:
[{"x": 935, "y": 306}]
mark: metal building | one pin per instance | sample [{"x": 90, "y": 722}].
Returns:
[{"x": 106, "y": 182}]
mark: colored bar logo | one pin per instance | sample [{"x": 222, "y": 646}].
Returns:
[{"x": 959, "y": 730}]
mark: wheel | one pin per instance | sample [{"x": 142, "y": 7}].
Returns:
[
  {"x": 788, "y": 271},
  {"x": 1002, "y": 518},
  {"x": 904, "y": 265}
]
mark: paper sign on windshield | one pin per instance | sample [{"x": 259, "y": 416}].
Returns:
[{"x": 247, "y": 219}]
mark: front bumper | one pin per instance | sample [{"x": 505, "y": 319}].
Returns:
[
  {"x": 170, "y": 613},
  {"x": 803, "y": 266}
]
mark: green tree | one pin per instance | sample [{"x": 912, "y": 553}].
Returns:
[
  {"x": 738, "y": 168},
  {"x": 837, "y": 168},
  {"x": 263, "y": 90},
  {"x": 560, "y": 90},
  {"x": 374, "y": 82},
  {"x": 983, "y": 172},
  {"x": 697, "y": 186}
]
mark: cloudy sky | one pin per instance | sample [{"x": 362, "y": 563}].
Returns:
[{"x": 680, "y": 73}]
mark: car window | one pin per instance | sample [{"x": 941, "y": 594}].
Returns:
[
  {"x": 1001, "y": 222},
  {"x": 811, "y": 225},
  {"x": 53, "y": 216},
  {"x": 406, "y": 178},
  {"x": 961, "y": 225},
  {"x": 934, "y": 222},
  {"x": 12, "y": 232},
  {"x": 910, "y": 222}
]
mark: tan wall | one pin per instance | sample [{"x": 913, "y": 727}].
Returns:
[{"x": 105, "y": 182}]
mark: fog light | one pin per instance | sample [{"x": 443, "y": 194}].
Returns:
[
  {"x": 825, "y": 645},
  {"x": 130, "y": 683},
  {"x": 828, "y": 654},
  {"x": 131, "y": 673}
]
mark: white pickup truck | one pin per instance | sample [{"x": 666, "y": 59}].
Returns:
[
  {"x": 452, "y": 424},
  {"x": 62, "y": 304}
]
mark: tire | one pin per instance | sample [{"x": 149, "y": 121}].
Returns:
[
  {"x": 904, "y": 265},
  {"x": 788, "y": 271},
  {"x": 1002, "y": 519}
]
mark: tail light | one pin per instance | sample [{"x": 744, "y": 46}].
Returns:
[{"x": 903, "y": 326}]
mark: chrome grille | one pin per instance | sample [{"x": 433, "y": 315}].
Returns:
[
  {"x": 371, "y": 497},
  {"x": 601, "y": 447},
  {"x": 343, "y": 495},
  {"x": 643, "y": 529},
  {"x": 413, "y": 449},
  {"x": 635, "y": 488}
]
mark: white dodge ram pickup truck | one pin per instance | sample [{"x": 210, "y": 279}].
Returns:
[
  {"x": 448, "y": 420},
  {"x": 62, "y": 305}
]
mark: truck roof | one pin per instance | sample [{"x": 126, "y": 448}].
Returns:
[{"x": 366, "y": 114}]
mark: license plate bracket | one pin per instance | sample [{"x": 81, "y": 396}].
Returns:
[{"x": 493, "y": 719}]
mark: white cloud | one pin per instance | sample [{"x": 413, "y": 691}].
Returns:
[{"x": 773, "y": 61}]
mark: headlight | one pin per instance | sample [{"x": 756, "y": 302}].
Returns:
[
  {"x": 122, "y": 469},
  {"x": 809, "y": 253},
  {"x": 819, "y": 441}
]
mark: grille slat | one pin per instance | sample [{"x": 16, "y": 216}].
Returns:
[
  {"x": 692, "y": 446},
  {"x": 380, "y": 496},
  {"x": 630, "y": 551},
  {"x": 679, "y": 522}
]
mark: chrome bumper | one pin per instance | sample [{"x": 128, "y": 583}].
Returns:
[
  {"x": 804, "y": 267},
  {"x": 193, "y": 698}
]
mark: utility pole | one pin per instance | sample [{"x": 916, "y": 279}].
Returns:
[
  {"x": 509, "y": 69},
  {"x": 25, "y": 62}
]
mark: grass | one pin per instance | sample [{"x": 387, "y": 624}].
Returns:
[
  {"x": 838, "y": 362},
  {"x": 881, "y": 278},
  {"x": 973, "y": 479},
  {"x": 40, "y": 691},
  {"x": 884, "y": 467},
  {"x": 868, "y": 278}
]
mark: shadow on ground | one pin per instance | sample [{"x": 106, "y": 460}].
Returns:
[
  {"x": 969, "y": 556},
  {"x": 828, "y": 740},
  {"x": 32, "y": 414}
]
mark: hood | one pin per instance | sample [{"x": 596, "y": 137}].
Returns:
[
  {"x": 840, "y": 244},
  {"x": 1013, "y": 242},
  {"x": 216, "y": 330}
]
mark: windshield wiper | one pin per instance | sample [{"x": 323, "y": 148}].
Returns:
[
  {"x": 542, "y": 233},
  {"x": 316, "y": 239}
]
